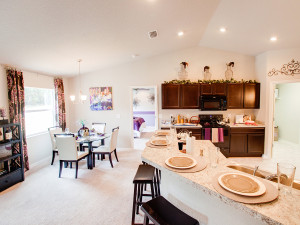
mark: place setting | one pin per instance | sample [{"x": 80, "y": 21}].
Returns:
[
  {"x": 245, "y": 188},
  {"x": 158, "y": 142},
  {"x": 185, "y": 163}
]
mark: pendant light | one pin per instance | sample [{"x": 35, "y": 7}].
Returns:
[{"x": 82, "y": 97}]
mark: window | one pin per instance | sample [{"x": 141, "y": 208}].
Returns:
[{"x": 39, "y": 110}]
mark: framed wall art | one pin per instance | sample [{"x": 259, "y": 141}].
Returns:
[{"x": 101, "y": 98}]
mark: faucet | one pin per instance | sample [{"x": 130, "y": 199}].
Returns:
[{"x": 255, "y": 169}]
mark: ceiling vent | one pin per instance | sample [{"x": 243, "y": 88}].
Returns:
[{"x": 152, "y": 34}]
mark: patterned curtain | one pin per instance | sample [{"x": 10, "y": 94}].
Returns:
[
  {"x": 15, "y": 87},
  {"x": 60, "y": 103}
]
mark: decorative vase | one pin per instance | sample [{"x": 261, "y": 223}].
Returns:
[
  {"x": 182, "y": 74},
  {"x": 206, "y": 74},
  {"x": 229, "y": 72}
]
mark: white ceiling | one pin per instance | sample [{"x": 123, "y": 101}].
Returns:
[
  {"x": 50, "y": 36},
  {"x": 251, "y": 23}
]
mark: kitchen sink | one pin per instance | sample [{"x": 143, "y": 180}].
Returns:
[{"x": 260, "y": 173}]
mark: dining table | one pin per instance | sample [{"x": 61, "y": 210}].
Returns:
[{"x": 89, "y": 141}]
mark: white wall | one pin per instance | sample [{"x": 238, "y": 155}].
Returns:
[
  {"x": 263, "y": 64},
  {"x": 287, "y": 111},
  {"x": 154, "y": 71},
  {"x": 39, "y": 146}
]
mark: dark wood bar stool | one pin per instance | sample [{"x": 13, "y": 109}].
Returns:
[
  {"x": 144, "y": 175},
  {"x": 157, "y": 179},
  {"x": 162, "y": 212}
]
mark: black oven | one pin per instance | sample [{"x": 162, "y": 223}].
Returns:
[{"x": 213, "y": 103}]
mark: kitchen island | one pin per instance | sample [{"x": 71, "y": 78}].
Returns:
[{"x": 194, "y": 194}]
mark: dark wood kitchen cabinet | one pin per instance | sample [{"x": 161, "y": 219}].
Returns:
[
  {"x": 171, "y": 96},
  {"x": 251, "y": 96},
  {"x": 235, "y": 96},
  {"x": 247, "y": 142},
  {"x": 214, "y": 89},
  {"x": 206, "y": 89},
  {"x": 190, "y": 96}
]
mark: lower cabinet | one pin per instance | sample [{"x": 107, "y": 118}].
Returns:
[{"x": 247, "y": 142}]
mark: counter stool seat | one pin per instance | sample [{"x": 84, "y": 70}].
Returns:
[{"x": 162, "y": 212}]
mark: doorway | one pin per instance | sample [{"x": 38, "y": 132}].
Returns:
[
  {"x": 144, "y": 113},
  {"x": 286, "y": 133}
]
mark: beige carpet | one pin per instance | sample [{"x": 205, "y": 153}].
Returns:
[{"x": 99, "y": 196}]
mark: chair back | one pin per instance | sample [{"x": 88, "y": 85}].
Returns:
[
  {"x": 99, "y": 127},
  {"x": 66, "y": 146},
  {"x": 52, "y": 131},
  {"x": 114, "y": 139}
]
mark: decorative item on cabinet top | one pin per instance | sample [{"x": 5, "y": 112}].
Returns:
[
  {"x": 229, "y": 72},
  {"x": 289, "y": 69},
  {"x": 175, "y": 81},
  {"x": 183, "y": 74},
  {"x": 206, "y": 74}
]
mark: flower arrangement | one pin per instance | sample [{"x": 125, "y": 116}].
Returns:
[
  {"x": 209, "y": 81},
  {"x": 82, "y": 122}
]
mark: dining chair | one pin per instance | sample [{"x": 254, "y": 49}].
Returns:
[
  {"x": 67, "y": 150},
  {"x": 52, "y": 131},
  {"x": 99, "y": 128},
  {"x": 108, "y": 149}
]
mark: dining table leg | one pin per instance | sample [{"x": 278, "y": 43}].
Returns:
[{"x": 90, "y": 156}]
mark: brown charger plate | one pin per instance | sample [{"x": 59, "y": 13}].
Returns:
[
  {"x": 159, "y": 142},
  {"x": 162, "y": 133}
]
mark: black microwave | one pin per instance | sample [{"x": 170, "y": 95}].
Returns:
[{"x": 213, "y": 103}]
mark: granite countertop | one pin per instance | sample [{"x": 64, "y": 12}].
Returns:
[
  {"x": 284, "y": 210},
  {"x": 233, "y": 125},
  {"x": 182, "y": 126}
]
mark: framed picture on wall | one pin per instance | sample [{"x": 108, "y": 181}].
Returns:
[{"x": 101, "y": 98}]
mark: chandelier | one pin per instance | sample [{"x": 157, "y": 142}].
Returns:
[{"x": 82, "y": 97}]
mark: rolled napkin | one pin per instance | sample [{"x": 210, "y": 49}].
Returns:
[
  {"x": 215, "y": 135},
  {"x": 221, "y": 135}
]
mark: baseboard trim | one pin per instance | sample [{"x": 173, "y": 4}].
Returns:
[{"x": 38, "y": 165}]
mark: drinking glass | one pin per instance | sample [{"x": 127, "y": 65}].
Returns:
[
  {"x": 81, "y": 132},
  {"x": 214, "y": 156},
  {"x": 285, "y": 174},
  {"x": 67, "y": 130}
]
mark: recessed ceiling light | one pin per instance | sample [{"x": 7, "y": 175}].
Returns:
[
  {"x": 223, "y": 29},
  {"x": 180, "y": 33},
  {"x": 135, "y": 55},
  {"x": 273, "y": 39}
]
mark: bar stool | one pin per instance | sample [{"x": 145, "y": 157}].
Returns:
[
  {"x": 144, "y": 175},
  {"x": 162, "y": 212},
  {"x": 157, "y": 178}
]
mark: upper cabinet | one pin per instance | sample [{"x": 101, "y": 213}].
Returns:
[
  {"x": 190, "y": 96},
  {"x": 186, "y": 96},
  {"x": 170, "y": 96},
  {"x": 219, "y": 88},
  {"x": 213, "y": 89},
  {"x": 235, "y": 96},
  {"x": 251, "y": 96}
]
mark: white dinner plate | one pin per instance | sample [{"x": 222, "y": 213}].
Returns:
[
  {"x": 181, "y": 162},
  {"x": 242, "y": 184}
]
